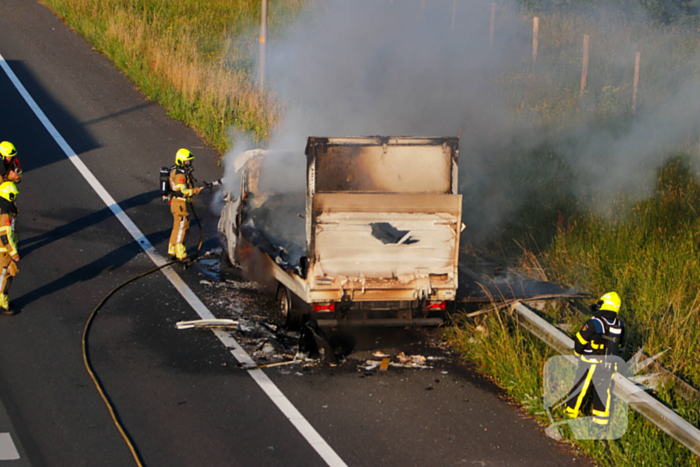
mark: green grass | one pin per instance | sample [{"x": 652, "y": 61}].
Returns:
[
  {"x": 515, "y": 359},
  {"x": 194, "y": 57},
  {"x": 650, "y": 256},
  {"x": 547, "y": 94}
]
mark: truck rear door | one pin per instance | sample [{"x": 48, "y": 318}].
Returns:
[{"x": 383, "y": 218}]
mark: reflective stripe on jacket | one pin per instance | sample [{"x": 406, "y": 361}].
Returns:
[{"x": 8, "y": 239}]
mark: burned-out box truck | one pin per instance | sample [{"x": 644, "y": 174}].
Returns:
[{"x": 371, "y": 238}]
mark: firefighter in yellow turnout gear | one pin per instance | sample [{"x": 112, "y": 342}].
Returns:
[
  {"x": 10, "y": 170},
  {"x": 182, "y": 190},
  {"x": 600, "y": 339},
  {"x": 9, "y": 252}
]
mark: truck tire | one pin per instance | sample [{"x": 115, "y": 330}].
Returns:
[{"x": 288, "y": 317}]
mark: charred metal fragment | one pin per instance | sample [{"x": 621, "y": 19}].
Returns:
[
  {"x": 276, "y": 252},
  {"x": 510, "y": 286},
  {"x": 314, "y": 342}
]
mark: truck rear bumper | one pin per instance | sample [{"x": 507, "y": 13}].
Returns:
[
  {"x": 380, "y": 322},
  {"x": 380, "y": 317}
]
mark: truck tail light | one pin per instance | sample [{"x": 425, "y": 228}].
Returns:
[
  {"x": 435, "y": 305},
  {"x": 320, "y": 307}
]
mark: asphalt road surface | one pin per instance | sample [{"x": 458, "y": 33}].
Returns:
[{"x": 182, "y": 396}]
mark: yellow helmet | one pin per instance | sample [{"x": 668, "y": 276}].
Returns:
[
  {"x": 9, "y": 191},
  {"x": 610, "y": 301},
  {"x": 7, "y": 149},
  {"x": 184, "y": 157}
]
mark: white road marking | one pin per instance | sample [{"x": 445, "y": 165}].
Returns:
[
  {"x": 280, "y": 400},
  {"x": 8, "y": 450}
]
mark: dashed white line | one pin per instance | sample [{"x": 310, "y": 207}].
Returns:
[
  {"x": 8, "y": 450},
  {"x": 271, "y": 390}
]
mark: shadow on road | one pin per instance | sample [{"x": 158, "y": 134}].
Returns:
[
  {"x": 109, "y": 262},
  {"x": 30, "y": 244},
  {"x": 31, "y": 146}
]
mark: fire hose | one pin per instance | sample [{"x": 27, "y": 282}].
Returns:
[{"x": 86, "y": 357}]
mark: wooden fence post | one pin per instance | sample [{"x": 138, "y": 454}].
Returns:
[
  {"x": 535, "y": 37},
  {"x": 263, "y": 45},
  {"x": 636, "y": 82},
  {"x": 584, "y": 71}
]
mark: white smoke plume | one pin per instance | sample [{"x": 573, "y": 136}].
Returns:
[{"x": 383, "y": 67}]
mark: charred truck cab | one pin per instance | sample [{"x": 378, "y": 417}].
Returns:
[{"x": 372, "y": 240}]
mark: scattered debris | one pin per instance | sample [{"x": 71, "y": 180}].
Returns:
[
  {"x": 369, "y": 365},
  {"x": 314, "y": 342},
  {"x": 249, "y": 311},
  {"x": 411, "y": 360},
  {"x": 212, "y": 274},
  {"x": 404, "y": 361},
  {"x": 385, "y": 364},
  {"x": 207, "y": 324},
  {"x": 209, "y": 264},
  {"x": 251, "y": 328},
  {"x": 411, "y": 365},
  {"x": 269, "y": 365},
  {"x": 240, "y": 285}
]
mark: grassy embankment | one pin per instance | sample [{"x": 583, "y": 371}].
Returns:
[
  {"x": 647, "y": 251},
  {"x": 194, "y": 58}
]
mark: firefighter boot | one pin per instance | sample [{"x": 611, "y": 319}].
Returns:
[
  {"x": 180, "y": 252},
  {"x": 171, "y": 250},
  {"x": 5, "y": 305},
  {"x": 571, "y": 412}
]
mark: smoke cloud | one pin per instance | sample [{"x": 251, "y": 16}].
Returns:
[{"x": 382, "y": 67}]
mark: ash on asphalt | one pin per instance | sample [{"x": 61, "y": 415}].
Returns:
[
  {"x": 418, "y": 355},
  {"x": 228, "y": 294}
]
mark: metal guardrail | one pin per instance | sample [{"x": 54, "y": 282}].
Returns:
[{"x": 646, "y": 405}]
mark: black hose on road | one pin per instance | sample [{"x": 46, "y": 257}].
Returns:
[{"x": 86, "y": 330}]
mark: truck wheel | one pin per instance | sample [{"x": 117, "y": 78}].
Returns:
[{"x": 287, "y": 316}]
